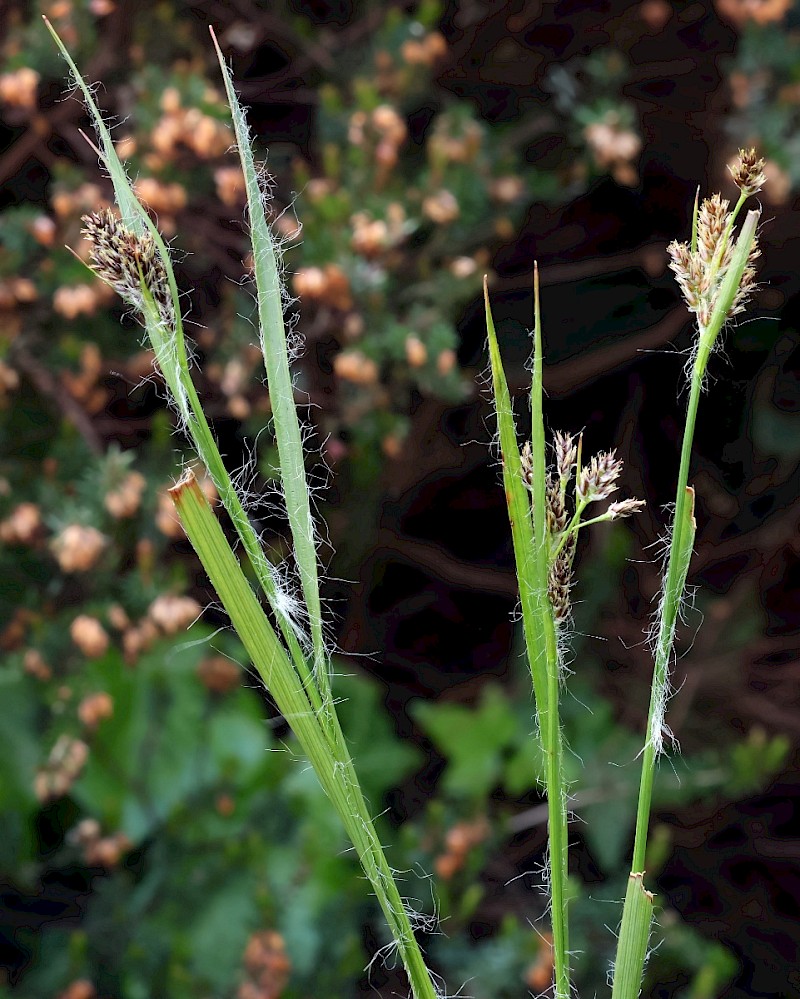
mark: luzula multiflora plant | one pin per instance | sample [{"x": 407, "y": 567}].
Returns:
[
  {"x": 130, "y": 255},
  {"x": 546, "y": 509},
  {"x": 716, "y": 275}
]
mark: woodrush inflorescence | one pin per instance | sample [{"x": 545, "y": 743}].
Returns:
[
  {"x": 716, "y": 275},
  {"x": 128, "y": 262},
  {"x": 700, "y": 267},
  {"x": 592, "y": 483}
]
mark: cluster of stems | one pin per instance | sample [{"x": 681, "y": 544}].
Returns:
[
  {"x": 715, "y": 272},
  {"x": 546, "y": 507},
  {"x": 128, "y": 252}
]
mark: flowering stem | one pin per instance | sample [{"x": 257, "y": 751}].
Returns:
[
  {"x": 532, "y": 558},
  {"x": 549, "y": 718},
  {"x": 631, "y": 953},
  {"x": 676, "y": 571}
]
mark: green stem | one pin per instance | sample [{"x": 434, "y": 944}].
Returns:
[
  {"x": 666, "y": 632},
  {"x": 679, "y": 551},
  {"x": 549, "y": 718},
  {"x": 556, "y": 814},
  {"x": 573, "y": 526},
  {"x": 328, "y": 756}
]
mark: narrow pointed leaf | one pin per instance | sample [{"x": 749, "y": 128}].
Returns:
[
  {"x": 279, "y": 379},
  {"x": 519, "y": 514}
]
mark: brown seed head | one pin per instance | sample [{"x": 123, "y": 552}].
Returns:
[
  {"x": 127, "y": 262},
  {"x": 526, "y": 459},
  {"x": 711, "y": 222},
  {"x": 598, "y": 478},
  {"x": 556, "y": 510},
  {"x": 559, "y": 581},
  {"x": 748, "y": 172},
  {"x": 624, "y": 508},
  {"x": 566, "y": 453}
]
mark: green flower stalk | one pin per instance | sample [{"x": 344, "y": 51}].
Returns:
[
  {"x": 716, "y": 275},
  {"x": 544, "y": 534}
]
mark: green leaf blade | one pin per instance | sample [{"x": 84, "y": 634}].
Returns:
[{"x": 279, "y": 379}]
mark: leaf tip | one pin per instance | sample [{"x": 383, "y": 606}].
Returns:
[
  {"x": 216, "y": 44},
  {"x": 186, "y": 482}
]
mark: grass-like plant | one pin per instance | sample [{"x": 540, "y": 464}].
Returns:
[
  {"x": 547, "y": 508},
  {"x": 129, "y": 254},
  {"x": 716, "y": 274}
]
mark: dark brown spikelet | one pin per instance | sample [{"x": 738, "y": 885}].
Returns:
[
  {"x": 599, "y": 478},
  {"x": 566, "y": 453},
  {"x": 748, "y": 172},
  {"x": 526, "y": 459},
  {"x": 127, "y": 261},
  {"x": 556, "y": 509},
  {"x": 559, "y": 582}
]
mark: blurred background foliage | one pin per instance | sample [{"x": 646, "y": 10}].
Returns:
[{"x": 160, "y": 837}]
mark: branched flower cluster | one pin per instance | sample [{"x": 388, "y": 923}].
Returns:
[
  {"x": 700, "y": 267},
  {"x": 592, "y": 483},
  {"x": 128, "y": 262}
]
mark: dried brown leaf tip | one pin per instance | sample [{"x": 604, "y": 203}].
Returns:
[{"x": 128, "y": 262}]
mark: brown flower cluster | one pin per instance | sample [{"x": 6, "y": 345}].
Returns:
[
  {"x": 426, "y": 51},
  {"x": 191, "y": 128},
  {"x": 747, "y": 171},
  {"x": 219, "y": 674},
  {"x": 328, "y": 286},
  {"x": 168, "y": 614},
  {"x": 355, "y": 367},
  {"x": 78, "y": 548},
  {"x": 701, "y": 272},
  {"x": 760, "y": 11},
  {"x": 453, "y": 142},
  {"x": 460, "y": 840},
  {"x": 73, "y": 300},
  {"x": 16, "y": 291},
  {"x": 34, "y": 665},
  {"x": 381, "y": 131},
  {"x": 23, "y": 526},
  {"x": 18, "y": 88},
  {"x": 99, "y": 850},
  {"x": 89, "y": 635},
  {"x": 592, "y": 483},
  {"x": 64, "y": 765},
  {"x": 127, "y": 262},
  {"x": 229, "y": 182},
  {"x": 614, "y": 148},
  {"x": 441, "y": 207},
  {"x": 125, "y": 498},
  {"x": 267, "y": 966},
  {"x": 85, "y": 384},
  {"x": 95, "y": 708}
]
